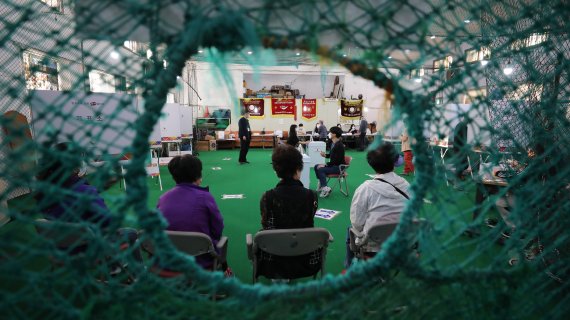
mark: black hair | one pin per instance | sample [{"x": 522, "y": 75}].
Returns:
[
  {"x": 185, "y": 169},
  {"x": 59, "y": 163},
  {"x": 336, "y": 131},
  {"x": 382, "y": 159},
  {"x": 300, "y": 125},
  {"x": 286, "y": 161},
  {"x": 293, "y": 130},
  {"x": 292, "y": 139}
]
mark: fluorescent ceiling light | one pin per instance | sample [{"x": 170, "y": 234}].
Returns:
[
  {"x": 508, "y": 70},
  {"x": 115, "y": 55}
]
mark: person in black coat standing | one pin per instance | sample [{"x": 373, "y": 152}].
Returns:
[
  {"x": 362, "y": 136},
  {"x": 244, "y": 137},
  {"x": 460, "y": 148}
]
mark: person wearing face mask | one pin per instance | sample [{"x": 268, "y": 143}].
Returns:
[
  {"x": 336, "y": 156},
  {"x": 322, "y": 131}
]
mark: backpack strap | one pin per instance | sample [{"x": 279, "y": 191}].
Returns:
[{"x": 397, "y": 189}]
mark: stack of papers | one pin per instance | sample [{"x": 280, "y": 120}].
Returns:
[
  {"x": 326, "y": 214},
  {"x": 232, "y": 196}
]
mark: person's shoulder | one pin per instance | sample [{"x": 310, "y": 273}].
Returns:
[
  {"x": 311, "y": 192},
  {"x": 83, "y": 187},
  {"x": 401, "y": 181},
  {"x": 365, "y": 185}
]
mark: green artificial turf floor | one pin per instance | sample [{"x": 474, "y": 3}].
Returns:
[
  {"x": 242, "y": 216},
  {"x": 448, "y": 210}
]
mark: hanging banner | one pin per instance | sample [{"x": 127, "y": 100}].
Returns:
[
  {"x": 255, "y": 107},
  {"x": 283, "y": 107},
  {"x": 309, "y": 109},
  {"x": 351, "y": 108}
]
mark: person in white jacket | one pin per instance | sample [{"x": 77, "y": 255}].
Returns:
[{"x": 381, "y": 199}]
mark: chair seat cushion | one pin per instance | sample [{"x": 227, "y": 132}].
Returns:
[{"x": 336, "y": 175}]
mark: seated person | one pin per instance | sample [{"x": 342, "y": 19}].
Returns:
[
  {"x": 73, "y": 199},
  {"x": 289, "y": 205},
  {"x": 373, "y": 129},
  {"x": 189, "y": 207},
  {"x": 76, "y": 200},
  {"x": 352, "y": 129},
  {"x": 381, "y": 199},
  {"x": 321, "y": 130},
  {"x": 292, "y": 139},
  {"x": 300, "y": 129},
  {"x": 506, "y": 203},
  {"x": 332, "y": 167}
]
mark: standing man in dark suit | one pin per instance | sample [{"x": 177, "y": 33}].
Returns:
[
  {"x": 244, "y": 137},
  {"x": 459, "y": 147},
  {"x": 362, "y": 131}
]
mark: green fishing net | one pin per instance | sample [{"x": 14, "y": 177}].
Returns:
[{"x": 515, "y": 52}]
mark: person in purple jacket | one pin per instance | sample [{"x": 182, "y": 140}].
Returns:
[
  {"x": 190, "y": 207},
  {"x": 70, "y": 198},
  {"x": 73, "y": 199}
]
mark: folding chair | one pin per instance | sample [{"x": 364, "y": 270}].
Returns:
[
  {"x": 72, "y": 240},
  {"x": 153, "y": 170},
  {"x": 123, "y": 163},
  {"x": 341, "y": 176},
  {"x": 288, "y": 243},
  {"x": 378, "y": 233},
  {"x": 194, "y": 244}
]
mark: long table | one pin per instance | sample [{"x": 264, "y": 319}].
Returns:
[{"x": 487, "y": 184}]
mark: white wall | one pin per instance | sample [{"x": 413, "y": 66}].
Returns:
[
  {"x": 217, "y": 92},
  {"x": 312, "y": 86}
]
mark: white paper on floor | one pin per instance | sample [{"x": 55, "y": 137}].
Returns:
[
  {"x": 232, "y": 196},
  {"x": 227, "y": 159},
  {"x": 326, "y": 214},
  {"x": 216, "y": 168}
]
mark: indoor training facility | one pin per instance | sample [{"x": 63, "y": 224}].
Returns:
[{"x": 284, "y": 160}]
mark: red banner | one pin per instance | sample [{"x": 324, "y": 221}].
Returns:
[
  {"x": 283, "y": 107},
  {"x": 254, "y": 106},
  {"x": 309, "y": 109},
  {"x": 351, "y": 108}
]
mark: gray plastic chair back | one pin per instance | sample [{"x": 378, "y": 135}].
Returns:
[
  {"x": 63, "y": 234},
  {"x": 380, "y": 232},
  {"x": 192, "y": 243},
  {"x": 291, "y": 242}
]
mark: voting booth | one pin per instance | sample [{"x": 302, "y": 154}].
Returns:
[
  {"x": 306, "y": 173},
  {"x": 314, "y": 151}
]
